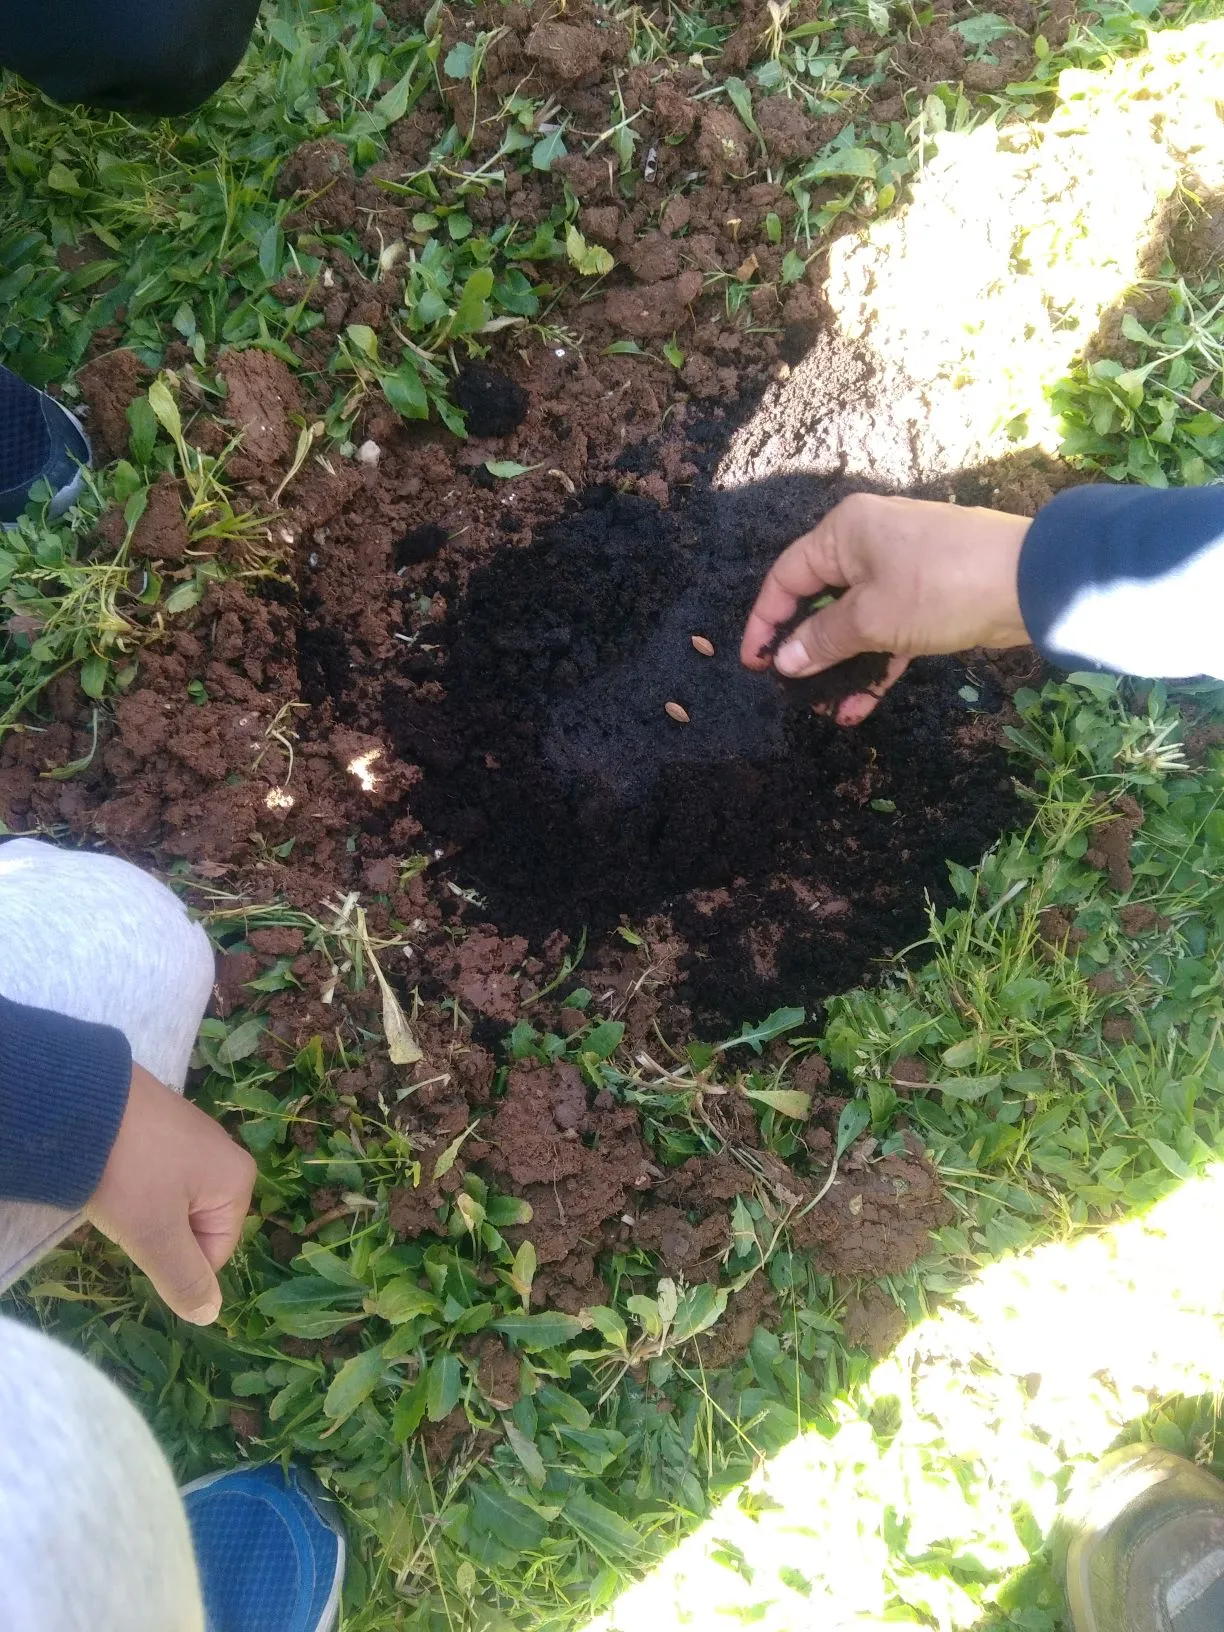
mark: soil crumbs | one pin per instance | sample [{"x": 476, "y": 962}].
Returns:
[{"x": 780, "y": 854}]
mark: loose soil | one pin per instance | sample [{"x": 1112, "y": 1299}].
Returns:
[
  {"x": 473, "y": 674},
  {"x": 785, "y": 853}
]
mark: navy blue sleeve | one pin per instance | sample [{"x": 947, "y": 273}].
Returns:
[
  {"x": 63, "y": 1090},
  {"x": 1128, "y": 578}
]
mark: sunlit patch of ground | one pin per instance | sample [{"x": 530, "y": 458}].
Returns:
[
  {"x": 950, "y": 1465},
  {"x": 968, "y": 304}
]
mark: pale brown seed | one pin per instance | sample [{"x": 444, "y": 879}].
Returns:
[
  {"x": 680, "y": 715},
  {"x": 702, "y": 645}
]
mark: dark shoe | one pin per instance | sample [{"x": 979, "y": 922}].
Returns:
[
  {"x": 39, "y": 441},
  {"x": 269, "y": 1549},
  {"x": 1140, "y": 1545}
]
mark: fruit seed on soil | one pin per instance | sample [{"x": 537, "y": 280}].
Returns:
[
  {"x": 680, "y": 715},
  {"x": 702, "y": 645}
]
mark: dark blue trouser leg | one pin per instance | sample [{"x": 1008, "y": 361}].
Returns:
[{"x": 141, "y": 56}]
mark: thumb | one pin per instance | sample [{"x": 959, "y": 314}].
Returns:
[
  {"x": 180, "y": 1273},
  {"x": 830, "y": 636}
]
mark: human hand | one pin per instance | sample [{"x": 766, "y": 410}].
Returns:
[
  {"x": 173, "y": 1195},
  {"x": 919, "y": 579}
]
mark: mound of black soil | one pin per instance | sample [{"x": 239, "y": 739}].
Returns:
[{"x": 789, "y": 853}]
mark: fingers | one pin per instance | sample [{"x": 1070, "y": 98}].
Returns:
[
  {"x": 830, "y": 636},
  {"x": 803, "y": 569},
  {"x": 218, "y": 1228},
  {"x": 180, "y": 1272},
  {"x": 854, "y": 710}
]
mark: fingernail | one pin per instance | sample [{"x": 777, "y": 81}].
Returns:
[
  {"x": 791, "y": 658},
  {"x": 205, "y": 1314}
]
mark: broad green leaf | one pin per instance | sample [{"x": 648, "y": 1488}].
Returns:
[
  {"x": 474, "y": 1319},
  {"x": 242, "y": 1042},
  {"x": 323, "y": 1261},
  {"x": 393, "y": 104},
  {"x": 503, "y": 1210},
  {"x": 510, "y": 1522},
  {"x": 410, "y": 1409},
  {"x": 161, "y": 400},
  {"x": 356, "y": 1380},
  {"x": 845, "y": 161},
  {"x": 1101, "y": 685},
  {"x": 743, "y": 1230},
  {"x": 185, "y": 597},
  {"x": 64, "y": 180},
  {"x": 507, "y": 469},
  {"x": 442, "y": 1389},
  {"x": 667, "y": 1300},
  {"x": 592, "y": 260},
  {"x": 983, "y": 28},
  {"x": 94, "y": 671},
  {"x": 308, "y": 1306},
  {"x": 606, "y": 1531},
  {"x": 855, "y": 1116},
  {"x": 143, "y": 421},
  {"x": 609, "y": 1324},
  {"x": 697, "y": 1310},
  {"x": 548, "y": 150},
  {"x": 526, "y": 1451},
  {"x": 1168, "y": 1157},
  {"x": 967, "y": 1088},
  {"x": 472, "y": 312},
  {"x": 405, "y": 391},
  {"x": 794, "y": 266},
  {"x": 542, "y": 1331},
  {"x": 400, "y": 1300},
  {"x": 604, "y": 1039},
  {"x": 790, "y": 1101},
  {"x": 963, "y": 1053},
  {"x": 458, "y": 61},
  {"x": 741, "y": 100},
  {"x": 362, "y": 339},
  {"x": 781, "y": 1020},
  {"x": 523, "y": 1272},
  {"x": 470, "y": 1211}
]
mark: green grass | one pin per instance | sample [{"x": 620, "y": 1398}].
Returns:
[
  {"x": 1043, "y": 1113},
  {"x": 1155, "y": 421}
]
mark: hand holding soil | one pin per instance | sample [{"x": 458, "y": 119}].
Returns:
[{"x": 920, "y": 579}]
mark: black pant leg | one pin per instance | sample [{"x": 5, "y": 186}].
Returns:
[{"x": 140, "y": 56}]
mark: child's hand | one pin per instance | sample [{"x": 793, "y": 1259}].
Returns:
[
  {"x": 919, "y": 579},
  {"x": 173, "y": 1195}
]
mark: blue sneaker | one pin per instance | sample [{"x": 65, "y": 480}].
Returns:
[
  {"x": 269, "y": 1549},
  {"x": 39, "y": 440}
]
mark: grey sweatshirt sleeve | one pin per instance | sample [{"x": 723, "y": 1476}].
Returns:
[
  {"x": 63, "y": 1090},
  {"x": 1128, "y": 578}
]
